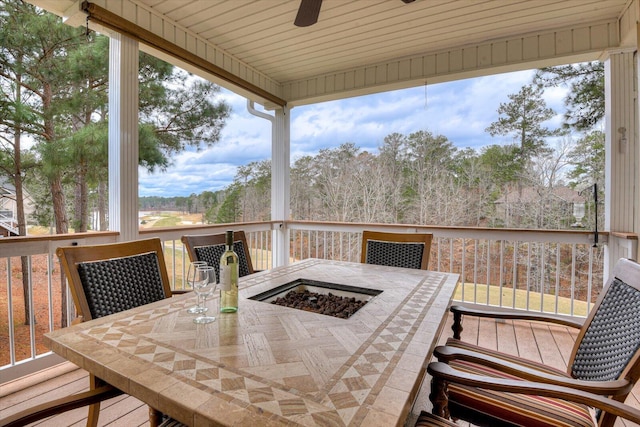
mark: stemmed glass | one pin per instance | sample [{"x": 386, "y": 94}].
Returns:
[
  {"x": 205, "y": 284},
  {"x": 191, "y": 276}
]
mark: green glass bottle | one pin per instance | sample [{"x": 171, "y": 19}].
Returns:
[{"x": 229, "y": 272}]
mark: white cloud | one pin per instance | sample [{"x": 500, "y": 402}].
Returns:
[{"x": 460, "y": 110}]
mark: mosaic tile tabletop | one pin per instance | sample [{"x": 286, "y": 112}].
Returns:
[{"x": 273, "y": 365}]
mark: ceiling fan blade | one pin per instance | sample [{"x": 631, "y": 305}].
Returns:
[{"x": 308, "y": 13}]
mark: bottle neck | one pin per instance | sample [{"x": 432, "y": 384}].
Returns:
[{"x": 229, "y": 240}]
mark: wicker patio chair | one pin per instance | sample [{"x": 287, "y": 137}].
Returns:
[
  {"x": 107, "y": 279},
  {"x": 445, "y": 372},
  {"x": 409, "y": 250},
  {"x": 605, "y": 360},
  {"x": 210, "y": 247}
]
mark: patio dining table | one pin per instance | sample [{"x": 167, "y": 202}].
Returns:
[{"x": 274, "y": 365}]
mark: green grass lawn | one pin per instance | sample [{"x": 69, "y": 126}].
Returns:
[
  {"x": 564, "y": 304},
  {"x": 168, "y": 221}
]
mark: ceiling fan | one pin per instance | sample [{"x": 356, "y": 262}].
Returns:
[{"x": 309, "y": 11}]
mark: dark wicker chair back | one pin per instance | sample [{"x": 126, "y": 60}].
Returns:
[
  {"x": 608, "y": 345},
  {"x": 606, "y": 354},
  {"x": 107, "y": 279},
  {"x": 210, "y": 247},
  {"x": 408, "y": 250},
  {"x": 612, "y": 338}
]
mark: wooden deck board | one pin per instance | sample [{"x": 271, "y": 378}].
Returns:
[
  {"x": 126, "y": 411},
  {"x": 506, "y": 337},
  {"x": 526, "y": 342},
  {"x": 487, "y": 334},
  {"x": 548, "y": 347}
]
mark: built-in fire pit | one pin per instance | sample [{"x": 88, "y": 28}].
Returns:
[{"x": 331, "y": 299}]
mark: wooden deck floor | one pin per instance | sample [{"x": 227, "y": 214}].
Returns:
[{"x": 547, "y": 344}]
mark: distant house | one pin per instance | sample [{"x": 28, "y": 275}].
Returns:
[
  {"x": 8, "y": 209},
  {"x": 547, "y": 208}
]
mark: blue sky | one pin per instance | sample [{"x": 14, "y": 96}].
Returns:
[{"x": 460, "y": 110}]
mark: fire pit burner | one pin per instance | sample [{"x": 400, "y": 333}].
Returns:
[{"x": 330, "y": 299}]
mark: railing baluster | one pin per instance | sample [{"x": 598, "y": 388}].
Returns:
[
  {"x": 49, "y": 258},
  {"x": 32, "y": 313},
  {"x": 514, "y": 279},
  {"x": 541, "y": 270},
  {"x": 488, "y": 281},
  {"x": 500, "y": 278},
  {"x": 558, "y": 268},
  {"x": 475, "y": 272},
  {"x": 464, "y": 271},
  {"x": 528, "y": 274},
  {"x": 451, "y": 252},
  {"x": 10, "y": 326}
]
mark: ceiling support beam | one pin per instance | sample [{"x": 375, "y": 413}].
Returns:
[{"x": 114, "y": 22}]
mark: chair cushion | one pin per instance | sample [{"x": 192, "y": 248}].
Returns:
[
  {"x": 514, "y": 408},
  {"x": 118, "y": 284},
  {"x": 394, "y": 254},
  {"x": 426, "y": 419},
  {"x": 452, "y": 342}
]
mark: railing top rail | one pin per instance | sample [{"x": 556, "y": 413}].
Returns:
[
  {"x": 33, "y": 245},
  {"x": 512, "y": 234},
  {"x": 177, "y": 232},
  {"x": 48, "y": 237},
  {"x": 577, "y": 236}
]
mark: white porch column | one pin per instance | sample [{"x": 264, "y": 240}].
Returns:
[
  {"x": 123, "y": 136},
  {"x": 622, "y": 195},
  {"x": 281, "y": 183}
]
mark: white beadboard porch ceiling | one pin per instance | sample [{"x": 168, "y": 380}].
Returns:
[
  {"x": 357, "y": 34},
  {"x": 349, "y": 34}
]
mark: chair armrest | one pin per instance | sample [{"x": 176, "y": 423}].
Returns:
[
  {"x": 180, "y": 291},
  {"x": 507, "y": 313},
  {"x": 442, "y": 371},
  {"x": 607, "y": 388},
  {"x": 60, "y": 405}
]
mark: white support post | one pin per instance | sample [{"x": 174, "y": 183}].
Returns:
[
  {"x": 280, "y": 180},
  {"x": 622, "y": 151},
  {"x": 123, "y": 136},
  {"x": 281, "y": 184}
]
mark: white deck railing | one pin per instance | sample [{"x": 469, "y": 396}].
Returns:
[{"x": 554, "y": 271}]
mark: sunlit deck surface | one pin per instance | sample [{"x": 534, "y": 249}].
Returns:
[{"x": 548, "y": 344}]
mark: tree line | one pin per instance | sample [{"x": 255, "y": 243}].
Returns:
[{"x": 423, "y": 178}]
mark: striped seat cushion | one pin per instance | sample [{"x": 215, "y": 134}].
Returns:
[
  {"x": 517, "y": 409},
  {"x": 452, "y": 342}
]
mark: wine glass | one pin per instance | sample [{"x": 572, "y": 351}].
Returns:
[
  {"x": 205, "y": 284},
  {"x": 191, "y": 276}
]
